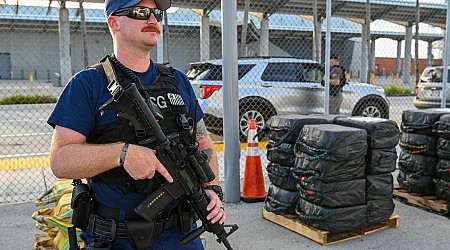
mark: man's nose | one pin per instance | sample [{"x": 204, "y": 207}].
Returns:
[{"x": 152, "y": 19}]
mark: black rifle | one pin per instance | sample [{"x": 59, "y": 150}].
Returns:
[{"x": 188, "y": 166}]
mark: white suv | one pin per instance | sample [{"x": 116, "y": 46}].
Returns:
[
  {"x": 429, "y": 90},
  {"x": 277, "y": 86}
]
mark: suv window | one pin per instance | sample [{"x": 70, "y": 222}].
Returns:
[
  {"x": 433, "y": 75},
  {"x": 313, "y": 73},
  {"x": 293, "y": 72},
  {"x": 283, "y": 72},
  {"x": 213, "y": 72}
]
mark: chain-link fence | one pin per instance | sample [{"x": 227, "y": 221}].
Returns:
[{"x": 281, "y": 69}]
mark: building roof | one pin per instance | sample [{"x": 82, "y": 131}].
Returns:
[
  {"x": 433, "y": 12},
  {"x": 43, "y": 19}
]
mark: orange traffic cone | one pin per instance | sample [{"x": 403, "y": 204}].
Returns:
[{"x": 253, "y": 190}]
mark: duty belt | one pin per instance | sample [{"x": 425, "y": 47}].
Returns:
[{"x": 105, "y": 223}]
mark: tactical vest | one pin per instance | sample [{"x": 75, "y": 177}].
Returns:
[{"x": 165, "y": 93}]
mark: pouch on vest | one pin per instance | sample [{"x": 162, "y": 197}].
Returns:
[
  {"x": 81, "y": 204},
  {"x": 140, "y": 233}
]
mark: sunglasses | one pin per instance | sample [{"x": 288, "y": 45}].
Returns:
[{"x": 140, "y": 13}]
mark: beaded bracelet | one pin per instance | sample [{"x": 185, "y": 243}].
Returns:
[{"x": 123, "y": 154}]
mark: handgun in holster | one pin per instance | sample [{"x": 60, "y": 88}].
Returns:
[{"x": 81, "y": 204}]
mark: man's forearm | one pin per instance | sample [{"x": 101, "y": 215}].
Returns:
[
  {"x": 77, "y": 161},
  {"x": 207, "y": 146}
]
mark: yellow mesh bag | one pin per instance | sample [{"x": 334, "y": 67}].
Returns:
[
  {"x": 54, "y": 221},
  {"x": 53, "y": 194}
]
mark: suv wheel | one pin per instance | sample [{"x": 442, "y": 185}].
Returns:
[
  {"x": 372, "y": 108},
  {"x": 253, "y": 109}
]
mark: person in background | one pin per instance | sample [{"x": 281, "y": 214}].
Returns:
[
  {"x": 103, "y": 148},
  {"x": 337, "y": 82}
]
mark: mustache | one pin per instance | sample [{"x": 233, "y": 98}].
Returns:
[{"x": 151, "y": 27}]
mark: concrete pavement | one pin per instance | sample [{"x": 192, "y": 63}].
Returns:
[{"x": 418, "y": 230}]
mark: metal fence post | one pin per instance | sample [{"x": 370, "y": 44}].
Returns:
[{"x": 231, "y": 106}]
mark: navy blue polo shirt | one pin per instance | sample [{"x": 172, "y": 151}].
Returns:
[{"x": 78, "y": 109}]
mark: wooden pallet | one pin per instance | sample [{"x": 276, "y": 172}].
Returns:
[
  {"x": 425, "y": 202},
  {"x": 324, "y": 237}
]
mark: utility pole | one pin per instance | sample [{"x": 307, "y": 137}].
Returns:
[
  {"x": 166, "y": 39},
  {"x": 83, "y": 33},
  {"x": 243, "y": 47},
  {"x": 368, "y": 40},
  {"x": 416, "y": 42}
]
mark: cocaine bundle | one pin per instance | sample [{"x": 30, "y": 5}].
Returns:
[{"x": 335, "y": 177}]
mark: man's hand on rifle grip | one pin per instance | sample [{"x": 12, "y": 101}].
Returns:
[
  {"x": 141, "y": 163},
  {"x": 215, "y": 208}
]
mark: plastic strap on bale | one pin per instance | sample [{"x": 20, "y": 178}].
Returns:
[
  {"x": 414, "y": 149},
  {"x": 282, "y": 154},
  {"x": 411, "y": 127},
  {"x": 321, "y": 153},
  {"x": 442, "y": 128}
]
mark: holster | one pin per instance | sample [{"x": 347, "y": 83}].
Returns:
[
  {"x": 81, "y": 204},
  {"x": 140, "y": 233}
]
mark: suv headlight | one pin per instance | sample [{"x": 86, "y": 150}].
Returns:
[{"x": 381, "y": 91}]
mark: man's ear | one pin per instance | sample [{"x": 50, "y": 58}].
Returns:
[{"x": 112, "y": 23}]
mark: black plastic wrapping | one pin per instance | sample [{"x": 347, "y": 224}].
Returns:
[
  {"x": 280, "y": 201},
  {"x": 442, "y": 189},
  {"x": 282, "y": 154},
  {"x": 381, "y": 161},
  {"x": 381, "y": 133},
  {"x": 379, "y": 187},
  {"x": 418, "y": 143},
  {"x": 421, "y": 121},
  {"x": 379, "y": 211},
  {"x": 443, "y": 148},
  {"x": 282, "y": 176},
  {"x": 442, "y": 127},
  {"x": 286, "y": 128},
  {"x": 443, "y": 169},
  {"x": 334, "y": 194},
  {"x": 329, "y": 171},
  {"x": 418, "y": 164},
  {"x": 413, "y": 183},
  {"x": 334, "y": 220},
  {"x": 332, "y": 142}
]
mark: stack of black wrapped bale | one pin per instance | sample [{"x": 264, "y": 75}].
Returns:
[
  {"x": 283, "y": 130},
  {"x": 381, "y": 161},
  {"x": 330, "y": 167},
  {"x": 442, "y": 180},
  {"x": 418, "y": 159}
]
